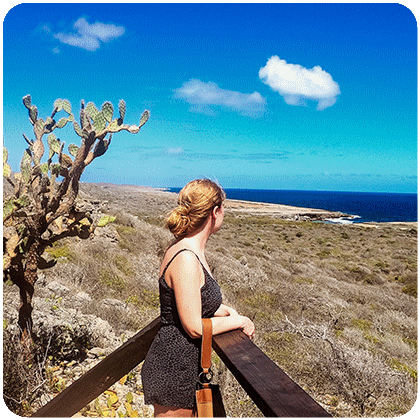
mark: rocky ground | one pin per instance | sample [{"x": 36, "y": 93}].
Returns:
[{"x": 334, "y": 306}]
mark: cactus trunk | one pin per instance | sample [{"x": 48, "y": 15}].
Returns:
[{"x": 24, "y": 275}]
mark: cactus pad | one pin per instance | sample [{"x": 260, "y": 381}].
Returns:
[
  {"x": 66, "y": 106},
  {"x": 99, "y": 121},
  {"x": 77, "y": 129},
  {"x": 44, "y": 168},
  {"x": 91, "y": 110},
  {"x": 25, "y": 166},
  {"x": 73, "y": 149},
  {"x": 33, "y": 113},
  {"x": 7, "y": 170},
  {"x": 108, "y": 111},
  {"x": 39, "y": 128},
  {"x": 8, "y": 208},
  {"x": 143, "y": 120},
  {"x": 58, "y": 104},
  {"x": 54, "y": 143},
  {"x": 122, "y": 108},
  {"x": 62, "y": 122},
  {"x": 27, "y": 101}
]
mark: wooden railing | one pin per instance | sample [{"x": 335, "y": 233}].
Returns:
[{"x": 273, "y": 392}]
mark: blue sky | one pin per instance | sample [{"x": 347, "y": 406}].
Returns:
[{"x": 277, "y": 96}]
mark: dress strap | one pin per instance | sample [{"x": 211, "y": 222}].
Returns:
[{"x": 181, "y": 250}]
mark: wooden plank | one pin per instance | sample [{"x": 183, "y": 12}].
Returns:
[
  {"x": 274, "y": 393},
  {"x": 102, "y": 376}
]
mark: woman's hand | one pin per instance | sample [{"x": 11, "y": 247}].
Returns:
[
  {"x": 248, "y": 327},
  {"x": 225, "y": 310},
  {"x": 227, "y": 319}
]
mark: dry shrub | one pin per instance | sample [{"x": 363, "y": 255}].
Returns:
[
  {"x": 25, "y": 379},
  {"x": 363, "y": 379}
]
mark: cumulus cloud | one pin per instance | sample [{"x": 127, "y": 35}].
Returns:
[
  {"x": 204, "y": 96},
  {"x": 90, "y": 36},
  {"x": 297, "y": 84}
]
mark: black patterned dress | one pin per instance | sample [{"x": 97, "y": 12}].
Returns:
[{"x": 172, "y": 365}]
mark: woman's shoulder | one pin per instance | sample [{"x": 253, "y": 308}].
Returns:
[{"x": 178, "y": 255}]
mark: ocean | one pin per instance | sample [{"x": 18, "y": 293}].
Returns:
[{"x": 363, "y": 207}]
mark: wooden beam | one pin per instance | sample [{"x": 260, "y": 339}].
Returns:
[
  {"x": 102, "y": 376},
  {"x": 274, "y": 393}
]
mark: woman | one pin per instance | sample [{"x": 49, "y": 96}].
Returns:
[{"x": 188, "y": 293}]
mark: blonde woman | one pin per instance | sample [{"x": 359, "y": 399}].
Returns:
[{"x": 188, "y": 293}]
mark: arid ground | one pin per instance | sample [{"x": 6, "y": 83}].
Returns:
[{"x": 335, "y": 306}]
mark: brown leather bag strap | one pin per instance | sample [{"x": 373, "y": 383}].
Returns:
[{"x": 206, "y": 344}]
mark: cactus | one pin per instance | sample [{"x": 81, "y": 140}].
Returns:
[
  {"x": 7, "y": 170},
  {"x": 41, "y": 210},
  {"x": 108, "y": 111},
  {"x": 121, "y": 109}
]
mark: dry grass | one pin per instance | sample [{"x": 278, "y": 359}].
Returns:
[{"x": 334, "y": 306}]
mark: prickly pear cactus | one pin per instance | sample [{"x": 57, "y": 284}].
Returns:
[{"x": 43, "y": 210}]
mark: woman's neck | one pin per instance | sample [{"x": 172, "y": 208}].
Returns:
[
  {"x": 196, "y": 243},
  {"x": 198, "y": 240}
]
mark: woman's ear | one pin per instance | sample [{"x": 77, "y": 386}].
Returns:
[{"x": 215, "y": 211}]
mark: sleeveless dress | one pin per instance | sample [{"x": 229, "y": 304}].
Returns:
[{"x": 170, "y": 370}]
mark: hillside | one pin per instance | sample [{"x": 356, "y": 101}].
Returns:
[{"x": 335, "y": 306}]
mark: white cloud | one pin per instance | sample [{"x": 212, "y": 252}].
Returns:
[
  {"x": 297, "y": 84},
  {"x": 89, "y": 36},
  {"x": 175, "y": 150},
  {"x": 204, "y": 95}
]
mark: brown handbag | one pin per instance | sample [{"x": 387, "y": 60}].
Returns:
[{"x": 208, "y": 397}]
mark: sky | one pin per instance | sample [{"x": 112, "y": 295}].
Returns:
[{"x": 266, "y": 96}]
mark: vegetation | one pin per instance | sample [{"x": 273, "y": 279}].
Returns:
[
  {"x": 42, "y": 208},
  {"x": 335, "y": 306}
]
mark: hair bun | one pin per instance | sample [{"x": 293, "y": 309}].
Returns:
[
  {"x": 178, "y": 220},
  {"x": 195, "y": 202}
]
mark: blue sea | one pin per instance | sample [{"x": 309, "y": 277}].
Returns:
[{"x": 363, "y": 207}]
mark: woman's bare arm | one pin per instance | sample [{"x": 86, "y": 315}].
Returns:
[{"x": 186, "y": 278}]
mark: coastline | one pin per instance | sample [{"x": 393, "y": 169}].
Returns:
[
  {"x": 168, "y": 199},
  {"x": 281, "y": 210}
]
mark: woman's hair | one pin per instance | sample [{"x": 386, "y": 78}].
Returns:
[{"x": 195, "y": 202}]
